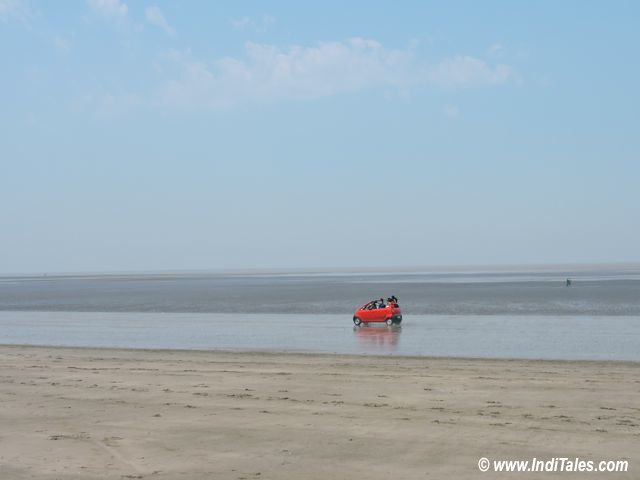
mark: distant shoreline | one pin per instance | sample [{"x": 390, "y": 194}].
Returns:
[{"x": 406, "y": 270}]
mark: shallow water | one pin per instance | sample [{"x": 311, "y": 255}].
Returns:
[
  {"x": 599, "y": 292},
  {"x": 505, "y": 313},
  {"x": 500, "y": 336}
]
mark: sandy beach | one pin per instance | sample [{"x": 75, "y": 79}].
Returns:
[{"x": 73, "y": 413}]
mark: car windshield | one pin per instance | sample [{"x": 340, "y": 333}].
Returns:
[{"x": 372, "y": 305}]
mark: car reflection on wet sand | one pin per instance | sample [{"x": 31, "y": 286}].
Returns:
[{"x": 376, "y": 338}]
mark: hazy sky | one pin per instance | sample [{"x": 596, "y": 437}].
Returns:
[{"x": 196, "y": 135}]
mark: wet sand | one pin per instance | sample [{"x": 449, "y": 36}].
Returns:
[{"x": 73, "y": 413}]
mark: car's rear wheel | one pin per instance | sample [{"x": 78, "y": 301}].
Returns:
[
  {"x": 357, "y": 321},
  {"x": 389, "y": 321}
]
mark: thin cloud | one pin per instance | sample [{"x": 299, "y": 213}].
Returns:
[
  {"x": 465, "y": 72},
  {"x": 106, "y": 104},
  {"x": 241, "y": 23},
  {"x": 13, "y": 9},
  {"x": 248, "y": 23},
  {"x": 116, "y": 12},
  {"x": 61, "y": 44},
  {"x": 496, "y": 50},
  {"x": 9, "y": 6},
  {"x": 451, "y": 112},
  {"x": 268, "y": 73},
  {"x": 110, "y": 8},
  {"x": 155, "y": 17}
]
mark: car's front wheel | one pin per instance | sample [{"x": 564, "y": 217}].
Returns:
[
  {"x": 357, "y": 321},
  {"x": 389, "y": 321}
]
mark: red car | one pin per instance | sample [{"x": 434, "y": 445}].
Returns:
[{"x": 369, "y": 313}]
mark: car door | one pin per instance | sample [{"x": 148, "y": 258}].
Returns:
[
  {"x": 367, "y": 314},
  {"x": 381, "y": 314}
]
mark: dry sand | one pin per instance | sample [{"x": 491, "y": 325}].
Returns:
[{"x": 98, "y": 413}]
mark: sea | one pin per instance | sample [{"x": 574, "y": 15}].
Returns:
[{"x": 506, "y": 312}]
